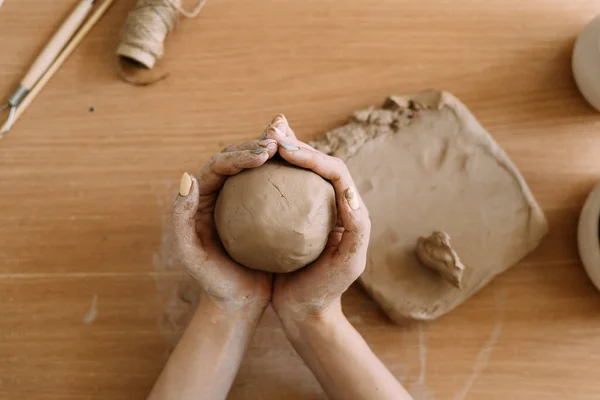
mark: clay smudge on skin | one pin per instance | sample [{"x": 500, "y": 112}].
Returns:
[{"x": 177, "y": 292}]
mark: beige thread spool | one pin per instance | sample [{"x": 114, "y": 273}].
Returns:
[{"x": 143, "y": 36}]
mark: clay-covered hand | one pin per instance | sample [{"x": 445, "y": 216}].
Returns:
[
  {"x": 197, "y": 245},
  {"x": 319, "y": 286}
]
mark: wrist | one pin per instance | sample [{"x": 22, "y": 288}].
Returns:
[
  {"x": 298, "y": 324},
  {"x": 229, "y": 312}
]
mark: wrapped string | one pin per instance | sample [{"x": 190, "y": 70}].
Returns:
[{"x": 143, "y": 36}]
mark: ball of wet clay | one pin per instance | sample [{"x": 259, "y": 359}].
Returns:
[{"x": 275, "y": 218}]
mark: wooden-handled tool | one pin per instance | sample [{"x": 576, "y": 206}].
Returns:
[
  {"x": 68, "y": 50},
  {"x": 46, "y": 58}
]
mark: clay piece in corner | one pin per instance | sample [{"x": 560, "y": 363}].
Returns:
[
  {"x": 436, "y": 253},
  {"x": 423, "y": 163}
]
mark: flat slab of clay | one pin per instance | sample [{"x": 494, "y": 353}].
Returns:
[{"x": 423, "y": 163}]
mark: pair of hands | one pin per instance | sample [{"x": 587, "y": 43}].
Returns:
[{"x": 310, "y": 291}]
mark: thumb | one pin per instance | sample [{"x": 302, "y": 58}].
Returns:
[
  {"x": 184, "y": 213},
  {"x": 352, "y": 249}
]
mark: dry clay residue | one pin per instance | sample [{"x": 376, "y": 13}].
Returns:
[
  {"x": 374, "y": 122},
  {"x": 91, "y": 315}
]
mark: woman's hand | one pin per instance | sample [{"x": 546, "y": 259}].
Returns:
[
  {"x": 229, "y": 285},
  {"x": 208, "y": 356},
  {"x": 318, "y": 287},
  {"x": 308, "y": 301}
]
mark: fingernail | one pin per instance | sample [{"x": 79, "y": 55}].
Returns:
[
  {"x": 289, "y": 147},
  {"x": 352, "y": 198},
  {"x": 265, "y": 131},
  {"x": 272, "y": 146},
  {"x": 279, "y": 118},
  {"x": 267, "y": 142},
  {"x": 259, "y": 150},
  {"x": 185, "y": 185},
  {"x": 275, "y": 130}
]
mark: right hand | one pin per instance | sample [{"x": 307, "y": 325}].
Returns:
[
  {"x": 229, "y": 285},
  {"x": 318, "y": 287}
]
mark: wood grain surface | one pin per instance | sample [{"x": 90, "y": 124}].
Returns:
[{"x": 84, "y": 195}]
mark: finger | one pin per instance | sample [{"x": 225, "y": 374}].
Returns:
[
  {"x": 352, "y": 213},
  {"x": 282, "y": 123},
  {"x": 279, "y": 127},
  {"x": 270, "y": 144},
  {"x": 331, "y": 168},
  {"x": 222, "y": 165},
  {"x": 263, "y": 134},
  {"x": 334, "y": 238},
  {"x": 183, "y": 217},
  {"x": 352, "y": 248}
]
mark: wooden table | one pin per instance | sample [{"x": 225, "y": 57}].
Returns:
[{"x": 87, "y": 176}]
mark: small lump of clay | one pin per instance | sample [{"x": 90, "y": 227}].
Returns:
[
  {"x": 275, "y": 218},
  {"x": 436, "y": 253}
]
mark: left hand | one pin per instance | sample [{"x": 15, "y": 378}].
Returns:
[{"x": 227, "y": 284}]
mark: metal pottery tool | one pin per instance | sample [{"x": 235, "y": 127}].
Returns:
[
  {"x": 45, "y": 59},
  {"x": 60, "y": 47}
]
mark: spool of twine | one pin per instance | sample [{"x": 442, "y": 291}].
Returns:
[{"x": 143, "y": 36}]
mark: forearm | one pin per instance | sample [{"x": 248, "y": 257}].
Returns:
[
  {"x": 340, "y": 358},
  {"x": 206, "y": 359}
]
